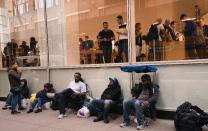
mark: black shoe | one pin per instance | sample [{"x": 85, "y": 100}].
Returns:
[
  {"x": 98, "y": 118},
  {"x": 38, "y": 110},
  {"x": 15, "y": 112},
  {"x": 21, "y": 108},
  {"x": 106, "y": 120},
  {"x": 29, "y": 111},
  {"x": 5, "y": 107}
]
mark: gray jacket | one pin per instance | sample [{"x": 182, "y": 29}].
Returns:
[{"x": 14, "y": 78}]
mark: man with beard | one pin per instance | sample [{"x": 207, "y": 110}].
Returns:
[
  {"x": 14, "y": 75},
  {"x": 73, "y": 95},
  {"x": 144, "y": 96},
  {"x": 105, "y": 37}
]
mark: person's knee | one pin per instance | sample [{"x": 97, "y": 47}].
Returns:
[
  {"x": 107, "y": 103},
  {"x": 138, "y": 104},
  {"x": 125, "y": 102}
]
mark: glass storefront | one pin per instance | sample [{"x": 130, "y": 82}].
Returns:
[
  {"x": 162, "y": 34},
  {"x": 76, "y": 32}
]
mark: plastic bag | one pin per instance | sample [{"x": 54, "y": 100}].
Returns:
[
  {"x": 84, "y": 112},
  {"x": 25, "y": 103}
]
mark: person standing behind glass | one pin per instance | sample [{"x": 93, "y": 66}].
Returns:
[
  {"x": 138, "y": 38},
  {"x": 205, "y": 30},
  {"x": 105, "y": 37},
  {"x": 14, "y": 75},
  {"x": 24, "y": 49},
  {"x": 197, "y": 12},
  {"x": 123, "y": 39},
  {"x": 190, "y": 33},
  {"x": 88, "y": 44},
  {"x": 200, "y": 40},
  {"x": 33, "y": 44}
]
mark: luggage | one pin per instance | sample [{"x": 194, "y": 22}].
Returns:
[{"x": 190, "y": 118}]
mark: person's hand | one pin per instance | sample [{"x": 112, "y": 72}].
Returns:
[{"x": 146, "y": 103}]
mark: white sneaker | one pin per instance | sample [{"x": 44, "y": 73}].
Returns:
[
  {"x": 123, "y": 125},
  {"x": 140, "y": 127},
  {"x": 61, "y": 116}
]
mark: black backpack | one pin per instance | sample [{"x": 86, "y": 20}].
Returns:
[
  {"x": 152, "y": 33},
  {"x": 190, "y": 118}
]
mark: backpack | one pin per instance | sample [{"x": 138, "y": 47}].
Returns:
[
  {"x": 152, "y": 33},
  {"x": 190, "y": 118}
]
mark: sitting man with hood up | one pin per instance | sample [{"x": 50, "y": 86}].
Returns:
[{"x": 111, "y": 96}]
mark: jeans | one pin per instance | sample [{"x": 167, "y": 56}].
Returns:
[
  {"x": 122, "y": 47},
  {"x": 107, "y": 52},
  {"x": 38, "y": 102},
  {"x": 190, "y": 46},
  {"x": 102, "y": 107},
  {"x": 129, "y": 106},
  {"x": 9, "y": 100},
  {"x": 15, "y": 99}
]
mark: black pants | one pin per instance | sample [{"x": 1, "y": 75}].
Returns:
[
  {"x": 122, "y": 48},
  {"x": 107, "y": 52},
  {"x": 65, "y": 100},
  {"x": 190, "y": 46}
]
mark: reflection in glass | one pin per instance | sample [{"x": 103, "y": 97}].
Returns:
[{"x": 22, "y": 33}]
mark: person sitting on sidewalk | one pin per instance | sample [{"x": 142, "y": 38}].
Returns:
[
  {"x": 144, "y": 95},
  {"x": 110, "y": 97},
  {"x": 41, "y": 98},
  {"x": 73, "y": 97}
]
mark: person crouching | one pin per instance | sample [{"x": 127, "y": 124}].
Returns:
[{"x": 41, "y": 98}]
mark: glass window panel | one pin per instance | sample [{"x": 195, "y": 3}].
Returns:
[
  {"x": 162, "y": 36},
  {"x": 74, "y": 25},
  {"x": 23, "y": 37}
]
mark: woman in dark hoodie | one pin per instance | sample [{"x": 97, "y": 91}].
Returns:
[
  {"x": 25, "y": 93},
  {"x": 111, "y": 96}
]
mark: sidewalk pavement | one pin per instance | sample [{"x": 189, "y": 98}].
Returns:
[{"x": 47, "y": 121}]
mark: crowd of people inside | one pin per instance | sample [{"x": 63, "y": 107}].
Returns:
[
  {"x": 105, "y": 42},
  {"x": 154, "y": 43},
  {"x": 76, "y": 96},
  {"x": 13, "y": 50}
]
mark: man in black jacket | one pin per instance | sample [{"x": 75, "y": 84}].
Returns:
[
  {"x": 144, "y": 95},
  {"x": 112, "y": 95},
  {"x": 14, "y": 75}
]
